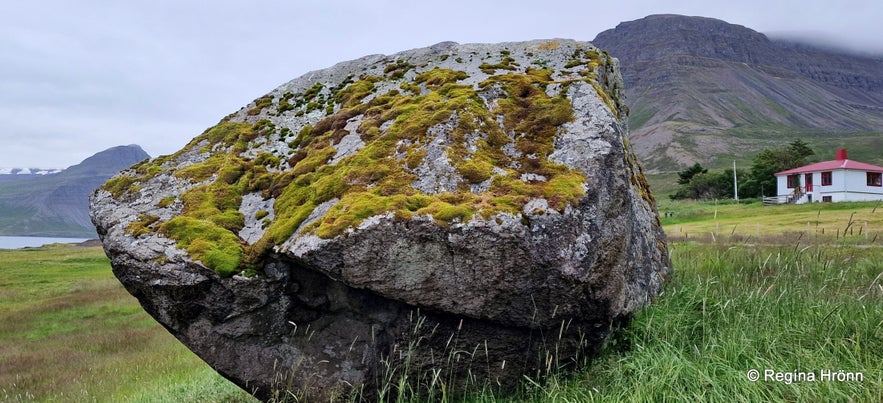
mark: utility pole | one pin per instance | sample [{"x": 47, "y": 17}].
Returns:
[{"x": 735, "y": 182}]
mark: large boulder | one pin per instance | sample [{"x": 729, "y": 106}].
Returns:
[{"x": 449, "y": 215}]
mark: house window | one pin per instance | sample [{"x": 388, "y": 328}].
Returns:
[
  {"x": 826, "y": 178},
  {"x": 794, "y": 181},
  {"x": 826, "y": 199},
  {"x": 875, "y": 179}
]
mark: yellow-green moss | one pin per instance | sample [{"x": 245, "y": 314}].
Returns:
[
  {"x": 201, "y": 171},
  {"x": 166, "y": 201},
  {"x": 446, "y": 212},
  {"x": 355, "y": 92},
  {"x": 267, "y": 159},
  {"x": 216, "y": 247},
  {"x": 438, "y": 77},
  {"x": 377, "y": 179},
  {"x": 210, "y": 220},
  {"x": 264, "y": 127},
  {"x": 119, "y": 185},
  {"x": 414, "y": 157},
  {"x": 507, "y": 63},
  {"x": 534, "y": 117},
  {"x": 228, "y": 133},
  {"x": 285, "y": 104},
  {"x": 475, "y": 171},
  {"x": 371, "y": 182},
  {"x": 564, "y": 189},
  {"x": 606, "y": 98},
  {"x": 260, "y": 104},
  {"x": 313, "y": 91},
  {"x": 215, "y": 202},
  {"x": 638, "y": 179},
  {"x": 146, "y": 169},
  {"x": 414, "y": 89},
  {"x": 142, "y": 226},
  {"x": 398, "y": 69}
]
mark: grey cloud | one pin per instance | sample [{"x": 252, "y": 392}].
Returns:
[{"x": 78, "y": 77}]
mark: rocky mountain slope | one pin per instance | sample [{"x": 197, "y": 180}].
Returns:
[
  {"x": 57, "y": 204},
  {"x": 701, "y": 89},
  {"x": 433, "y": 200}
]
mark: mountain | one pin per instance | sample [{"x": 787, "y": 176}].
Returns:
[
  {"x": 703, "y": 90},
  {"x": 57, "y": 204}
]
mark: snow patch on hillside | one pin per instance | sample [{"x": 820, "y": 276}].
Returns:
[{"x": 29, "y": 171}]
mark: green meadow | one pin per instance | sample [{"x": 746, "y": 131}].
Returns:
[
  {"x": 818, "y": 223},
  {"x": 792, "y": 292},
  {"x": 70, "y": 332}
]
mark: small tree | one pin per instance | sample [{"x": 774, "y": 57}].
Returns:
[
  {"x": 767, "y": 162},
  {"x": 799, "y": 152},
  {"x": 707, "y": 186},
  {"x": 686, "y": 175}
]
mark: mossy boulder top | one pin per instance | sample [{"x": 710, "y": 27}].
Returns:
[{"x": 492, "y": 181}]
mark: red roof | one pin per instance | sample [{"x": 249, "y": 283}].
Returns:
[{"x": 832, "y": 165}]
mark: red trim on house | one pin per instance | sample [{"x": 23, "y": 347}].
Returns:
[{"x": 832, "y": 165}]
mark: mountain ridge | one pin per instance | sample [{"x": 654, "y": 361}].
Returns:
[
  {"x": 701, "y": 89},
  {"x": 57, "y": 204}
]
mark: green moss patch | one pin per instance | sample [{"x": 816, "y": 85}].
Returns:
[
  {"x": 229, "y": 133},
  {"x": 353, "y": 94},
  {"x": 260, "y": 104},
  {"x": 507, "y": 63},
  {"x": 166, "y": 202},
  {"x": 120, "y": 184},
  {"x": 216, "y": 247},
  {"x": 144, "y": 225},
  {"x": 398, "y": 69},
  {"x": 373, "y": 182},
  {"x": 437, "y": 77},
  {"x": 378, "y": 178}
]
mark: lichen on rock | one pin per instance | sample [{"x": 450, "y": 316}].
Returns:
[{"x": 490, "y": 184}]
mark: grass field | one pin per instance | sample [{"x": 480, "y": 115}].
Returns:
[
  {"x": 754, "y": 289},
  {"x": 818, "y": 223},
  {"x": 70, "y": 332}
]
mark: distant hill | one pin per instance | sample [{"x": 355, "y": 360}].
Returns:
[
  {"x": 57, "y": 204},
  {"x": 703, "y": 90}
]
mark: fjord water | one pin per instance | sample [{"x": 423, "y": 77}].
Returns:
[{"x": 17, "y": 242}]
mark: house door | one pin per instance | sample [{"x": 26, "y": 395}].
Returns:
[{"x": 808, "y": 180}]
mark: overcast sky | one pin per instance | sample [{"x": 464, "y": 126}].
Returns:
[{"x": 77, "y": 77}]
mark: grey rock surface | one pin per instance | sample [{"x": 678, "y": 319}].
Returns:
[{"x": 486, "y": 296}]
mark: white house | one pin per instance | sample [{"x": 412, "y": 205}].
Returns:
[{"x": 831, "y": 181}]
